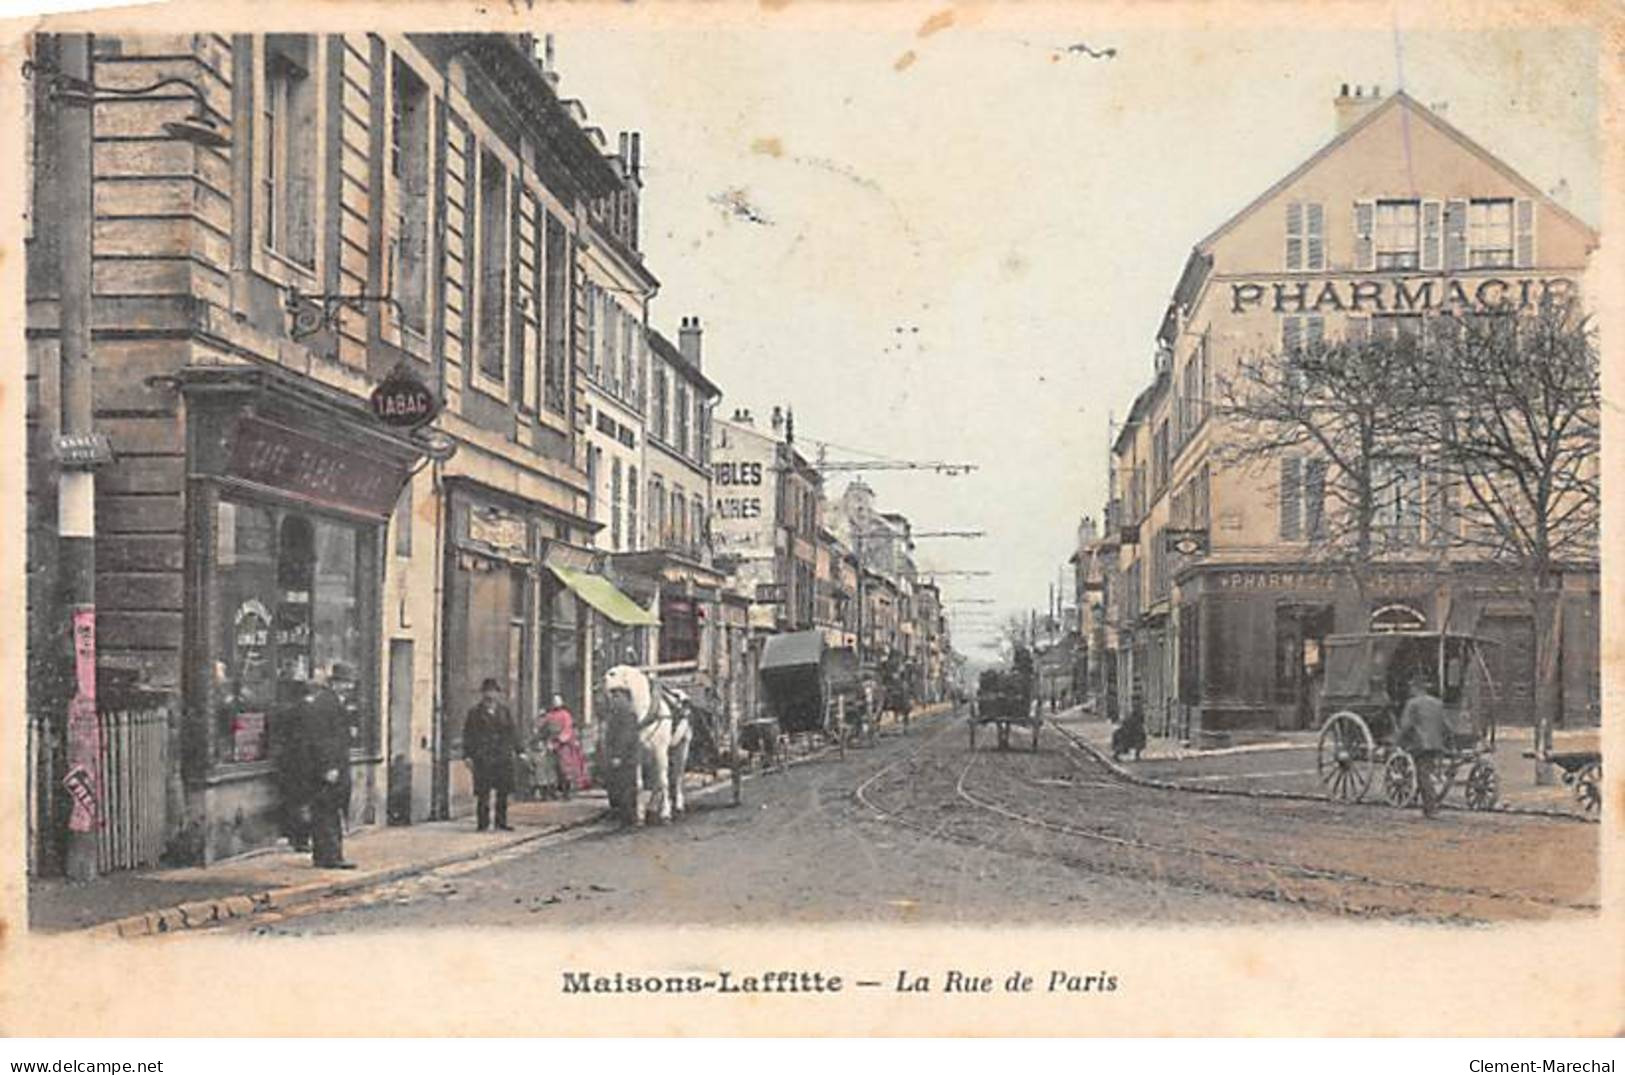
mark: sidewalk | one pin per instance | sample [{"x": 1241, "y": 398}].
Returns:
[
  {"x": 1286, "y": 763},
  {"x": 161, "y": 901}
]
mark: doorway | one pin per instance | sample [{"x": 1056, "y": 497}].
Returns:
[{"x": 398, "y": 797}]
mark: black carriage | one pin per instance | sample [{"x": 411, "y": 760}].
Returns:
[
  {"x": 1005, "y": 698},
  {"x": 810, "y": 687},
  {"x": 1367, "y": 677}
]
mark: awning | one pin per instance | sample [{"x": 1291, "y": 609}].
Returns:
[
  {"x": 602, "y": 595},
  {"x": 792, "y": 650}
]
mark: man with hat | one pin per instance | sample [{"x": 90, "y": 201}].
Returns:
[
  {"x": 490, "y": 744},
  {"x": 321, "y": 743}
]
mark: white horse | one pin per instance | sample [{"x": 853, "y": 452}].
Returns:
[{"x": 647, "y": 739}]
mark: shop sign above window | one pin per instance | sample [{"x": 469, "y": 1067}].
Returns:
[{"x": 403, "y": 401}]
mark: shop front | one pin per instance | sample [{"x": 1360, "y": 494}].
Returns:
[{"x": 291, "y": 490}]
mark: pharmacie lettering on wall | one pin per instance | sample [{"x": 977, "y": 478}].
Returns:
[{"x": 1398, "y": 295}]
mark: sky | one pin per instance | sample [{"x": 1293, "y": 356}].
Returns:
[{"x": 938, "y": 235}]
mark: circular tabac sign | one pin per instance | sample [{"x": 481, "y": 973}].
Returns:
[{"x": 404, "y": 401}]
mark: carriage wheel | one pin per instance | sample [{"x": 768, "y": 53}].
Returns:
[
  {"x": 1483, "y": 786},
  {"x": 1588, "y": 787},
  {"x": 1346, "y": 757},
  {"x": 1399, "y": 786}
]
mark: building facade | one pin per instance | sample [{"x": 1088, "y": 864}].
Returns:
[
  {"x": 413, "y": 204},
  {"x": 1215, "y": 603}
]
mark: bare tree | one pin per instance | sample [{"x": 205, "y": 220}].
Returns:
[
  {"x": 1339, "y": 419},
  {"x": 1518, "y": 433}
]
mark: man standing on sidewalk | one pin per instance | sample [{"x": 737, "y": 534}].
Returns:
[
  {"x": 491, "y": 744},
  {"x": 1424, "y": 732},
  {"x": 322, "y": 746}
]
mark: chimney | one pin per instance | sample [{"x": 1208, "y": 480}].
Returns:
[
  {"x": 789, "y": 426},
  {"x": 544, "y": 59},
  {"x": 625, "y": 154},
  {"x": 688, "y": 341},
  {"x": 1350, "y": 109},
  {"x": 637, "y": 155},
  {"x": 778, "y": 419}
]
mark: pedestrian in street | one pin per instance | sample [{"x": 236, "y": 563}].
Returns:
[
  {"x": 320, "y": 751},
  {"x": 558, "y": 732},
  {"x": 491, "y": 747},
  {"x": 1424, "y": 732}
]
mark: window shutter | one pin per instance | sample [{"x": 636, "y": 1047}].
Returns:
[
  {"x": 1357, "y": 329},
  {"x": 1314, "y": 330},
  {"x": 1294, "y": 236},
  {"x": 1365, "y": 216},
  {"x": 1314, "y": 237},
  {"x": 1289, "y": 498},
  {"x": 1314, "y": 499},
  {"x": 1526, "y": 233},
  {"x": 1291, "y": 334},
  {"x": 1432, "y": 225},
  {"x": 1455, "y": 234}
]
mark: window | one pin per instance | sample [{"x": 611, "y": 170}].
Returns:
[
  {"x": 1396, "y": 327},
  {"x": 1489, "y": 233},
  {"x": 1300, "y": 334},
  {"x": 698, "y": 453},
  {"x": 592, "y": 297},
  {"x": 657, "y": 513},
  {"x": 659, "y": 403},
  {"x": 1397, "y": 234},
  {"x": 1159, "y": 456},
  {"x": 1305, "y": 236},
  {"x": 615, "y": 504},
  {"x": 290, "y": 604},
  {"x": 1397, "y": 493},
  {"x": 705, "y": 436},
  {"x": 409, "y": 168},
  {"x": 632, "y": 536},
  {"x": 557, "y": 307},
  {"x": 493, "y": 266},
  {"x": 610, "y": 333},
  {"x": 1301, "y": 497},
  {"x": 288, "y": 165},
  {"x": 697, "y": 520},
  {"x": 679, "y": 526},
  {"x": 680, "y": 408},
  {"x": 629, "y": 379},
  {"x": 592, "y": 480}
]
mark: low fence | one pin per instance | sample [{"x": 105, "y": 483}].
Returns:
[{"x": 134, "y": 771}]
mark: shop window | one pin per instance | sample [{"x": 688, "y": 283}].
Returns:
[
  {"x": 409, "y": 168},
  {"x": 290, "y": 600},
  {"x": 493, "y": 256},
  {"x": 287, "y": 162},
  {"x": 679, "y": 630}
]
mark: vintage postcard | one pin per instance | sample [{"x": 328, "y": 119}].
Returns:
[{"x": 812, "y": 518}]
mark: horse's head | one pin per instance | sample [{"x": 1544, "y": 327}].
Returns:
[{"x": 626, "y": 689}]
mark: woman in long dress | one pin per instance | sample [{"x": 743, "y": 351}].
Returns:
[{"x": 559, "y": 733}]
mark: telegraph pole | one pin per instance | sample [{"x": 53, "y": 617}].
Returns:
[{"x": 77, "y": 454}]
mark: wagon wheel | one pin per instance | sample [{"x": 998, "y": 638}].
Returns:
[
  {"x": 1399, "y": 784},
  {"x": 1483, "y": 786},
  {"x": 1346, "y": 757},
  {"x": 1588, "y": 787}
]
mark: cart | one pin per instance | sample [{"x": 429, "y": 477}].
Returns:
[
  {"x": 1364, "y": 692},
  {"x": 1582, "y": 771},
  {"x": 810, "y": 687},
  {"x": 1005, "y": 698}
]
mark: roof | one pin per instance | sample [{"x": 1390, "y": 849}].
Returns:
[
  {"x": 1401, "y": 99},
  {"x": 674, "y": 355}
]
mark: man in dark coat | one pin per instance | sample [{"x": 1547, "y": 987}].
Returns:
[
  {"x": 321, "y": 749},
  {"x": 491, "y": 743},
  {"x": 1424, "y": 731}
]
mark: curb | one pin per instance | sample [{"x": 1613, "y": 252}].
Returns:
[
  {"x": 200, "y": 914},
  {"x": 1131, "y": 777}
]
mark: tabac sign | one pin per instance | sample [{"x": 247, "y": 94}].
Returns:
[
  {"x": 1381, "y": 295},
  {"x": 403, "y": 401}
]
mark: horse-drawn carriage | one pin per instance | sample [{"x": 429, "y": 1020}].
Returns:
[
  {"x": 1367, "y": 678},
  {"x": 810, "y": 687},
  {"x": 1005, "y": 698}
]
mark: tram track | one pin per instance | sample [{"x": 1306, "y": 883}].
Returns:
[{"x": 1291, "y": 882}]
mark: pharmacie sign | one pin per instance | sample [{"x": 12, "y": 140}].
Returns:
[
  {"x": 1378, "y": 295},
  {"x": 403, "y": 401}
]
